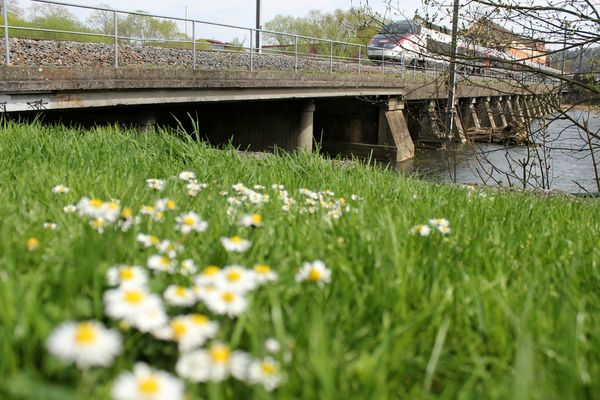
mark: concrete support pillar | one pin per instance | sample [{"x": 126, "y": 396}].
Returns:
[
  {"x": 393, "y": 130},
  {"x": 539, "y": 111},
  {"x": 488, "y": 115},
  {"x": 145, "y": 121},
  {"x": 525, "y": 109},
  {"x": 516, "y": 103},
  {"x": 459, "y": 130},
  {"x": 499, "y": 113},
  {"x": 468, "y": 114},
  {"x": 508, "y": 108},
  {"x": 305, "y": 128}
]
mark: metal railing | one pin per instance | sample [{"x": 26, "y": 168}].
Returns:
[{"x": 329, "y": 55}]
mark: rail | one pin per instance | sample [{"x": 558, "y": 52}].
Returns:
[{"x": 300, "y": 52}]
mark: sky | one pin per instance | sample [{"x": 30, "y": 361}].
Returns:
[{"x": 236, "y": 12}]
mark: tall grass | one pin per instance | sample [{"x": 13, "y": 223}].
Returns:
[{"x": 504, "y": 307}]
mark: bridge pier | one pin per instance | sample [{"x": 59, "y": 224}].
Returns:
[
  {"x": 518, "y": 113},
  {"x": 470, "y": 119},
  {"x": 393, "y": 129},
  {"x": 499, "y": 113},
  {"x": 305, "y": 128}
]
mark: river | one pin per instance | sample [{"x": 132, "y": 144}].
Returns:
[{"x": 567, "y": 160}]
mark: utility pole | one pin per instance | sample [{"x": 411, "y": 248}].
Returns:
[
  {"x": 258, "y": 25},
  {"x": 186, "y": 22},
  {"x": 5, "y": 24},
  {"x": 450, "y": 107}
]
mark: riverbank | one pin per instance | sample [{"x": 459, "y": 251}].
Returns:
[{"x": 499, "y": 303}]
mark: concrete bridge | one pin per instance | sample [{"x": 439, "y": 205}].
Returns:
[{"x": 362, "y": 115}]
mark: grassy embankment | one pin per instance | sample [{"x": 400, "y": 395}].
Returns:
[{"x": 505, "y": 306}]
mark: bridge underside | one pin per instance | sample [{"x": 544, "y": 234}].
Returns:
[{"x": 363, "y": 117}]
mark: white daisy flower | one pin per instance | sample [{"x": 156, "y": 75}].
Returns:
[
  {"x": 265, "y": 372},
  {"x": 165, "y": 205},
  {"x": 225, "y": 302},
  {"x": 147, "y": 240},
  {"x": 60, "y": 189},
  {"x": 251, "y": 220},
  {"x": 146, "y": 383},
  {"x": 51, "y": 226},
  {"x": 70, "y": 208},
  {"x": 189, "y": 222},
  {"x": 156, "y": 184},
  {"x": 189, "y": 331},
  {"x": 127, "y": 276},
  {"x": 186, "y": 176},
  {"x": 150, "y": 319},
  {"x": 129, "y": 304},
  {"x": 194, "y": 187},
  {"x": 169, "y": 248},
  {"x": 86, "y": 344},
  {"x": 444, "y": 230},
  {"x": 214, "y": 364},
  {"x": 179, "y": 296},
  {"x": 98, "y": 224},
  {"x": 437, "y": 222},
  {"x": 90, "y": 207},
  {"x": 264, "y": 273},
  {"x": 272, "y": 345},
  {"x": 236, "y": 278},
  {"x": 315, "y": 272},
  {"x": 147, "y": 210},
  {"x": 208, "y": 277},
  {"x": 235, "y": 244},
  {"x": 188, "y": 267},
  {"x": 161, "y": 263},
  {"x": 421, "y": 230}
]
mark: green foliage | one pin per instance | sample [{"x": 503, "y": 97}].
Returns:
[
  {"x": 351, "y": 26},
  {"x": 504, "y": 307}
]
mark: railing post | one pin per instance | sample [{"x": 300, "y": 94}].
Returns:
[
  {"x": 115, "y": 22},
  {"x": 402, "y": 65},
  {"x": 193, "y": 44},
  {"x": 5, "y": 25},
  {"x": 251, "y": 53},
  {"x": 331, "y": 57},
  {"x": 382, "y": 63},
  {"x": 295, "y": 53},
  {"x": 359, "y": 57}
]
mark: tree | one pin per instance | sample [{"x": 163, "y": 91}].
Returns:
[
  {"x": 13, "y": 10},
  {"x": 102, "y": 21},
  {"x": 352, "y": 26},
  {"x": 534, "y": 33}
]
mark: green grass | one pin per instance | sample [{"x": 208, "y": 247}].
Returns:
[{"x": 505, "y": 307}]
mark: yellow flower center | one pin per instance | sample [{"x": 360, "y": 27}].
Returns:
[
  {"x": 96, "y": 203},
  {"x": 32, "y": 244},
  {"x": 234, "y": 276},
  {"x": 113, "y": 205},
  {"x": 126, "y": 274},
  {"x": 314, "y": 275},
  {"x": 211, "y": 270},
  {"x": 149, "y": 385},
  {"x": 153, "y": 239},
  {"x": 179, "y": 329},
  {"x": 164, "y": 261},
  {"x": 268, "y": 368},
  {"x": 133, "y": 296},
  {"x": 85, "y": 334},
  {"x": 220, "y": 354},
  {"x": 98, "y": 222},
  {"x": 256, "y": 219},
  {"x": 228, "y": 297},
  {"x": 199, "y": 319},
  {"x": 127, "y": 212},
  {"x": 236, "y": 239},
  {"x": 189, "y": 220},
  {"x": 171, "y": 204},
  {"x": 180, "y": 291},
  {"x": 262, "y": 269}
]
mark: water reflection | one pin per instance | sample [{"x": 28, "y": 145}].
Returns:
[{"x": 565, "y": 165}]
